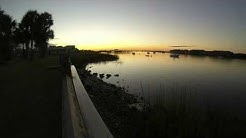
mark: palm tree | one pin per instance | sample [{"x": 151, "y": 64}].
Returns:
[
  {"x": 7, "y": 27},
  {"x": 28, "y": 26},
  {"x": 19, "y": 37},
  {"x": 36, "y": 29},
  {"x": 43, "y": 32}
]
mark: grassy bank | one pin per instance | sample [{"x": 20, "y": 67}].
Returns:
[
  {"x": 30, "y": 98},
  {"x": 84, "y": 57},
  {"x": 178, "y": 113}
]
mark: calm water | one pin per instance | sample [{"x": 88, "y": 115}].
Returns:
[{"x": 219, "y": 82}]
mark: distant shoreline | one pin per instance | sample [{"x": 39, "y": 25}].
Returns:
[{"x": 214, "y": 53}]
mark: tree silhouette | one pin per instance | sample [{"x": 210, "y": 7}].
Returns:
[
  {"x": 23, "y": 36},
  {"x": 7, "y": 27},
  {"x": 35, "y": 28},
  {"x": 29, "y": 23},
  {"x": 19, "y": 37},
  {"x": 43, "y": 32}
]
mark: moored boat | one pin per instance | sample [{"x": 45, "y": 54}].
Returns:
[{"x": 174, "y": 55}]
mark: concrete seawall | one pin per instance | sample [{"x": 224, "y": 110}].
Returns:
[{"x": 80, "y": 117}]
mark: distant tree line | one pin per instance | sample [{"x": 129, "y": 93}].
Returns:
[
  {"x": 214, "y": 53},
  {"x": 33, "y": 31}
]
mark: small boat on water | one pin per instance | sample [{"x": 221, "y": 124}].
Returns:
[{"x": 174, "y": 55}]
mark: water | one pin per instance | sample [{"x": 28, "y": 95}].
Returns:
[{"x": 218, "y": 82}]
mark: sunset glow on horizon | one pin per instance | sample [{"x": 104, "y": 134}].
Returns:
[{"x": 142, "y": 25}]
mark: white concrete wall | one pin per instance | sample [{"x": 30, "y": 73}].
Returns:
[{"x": 94, "y": 124}]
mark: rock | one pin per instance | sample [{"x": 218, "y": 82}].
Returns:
[
  {"x": 138, "y": 106},
  {"x": 101, "y": 76},
  {"x": 94, "y": 74},
  {"x": 112, "y": 102},
  {"x": 108, "y": 76}
]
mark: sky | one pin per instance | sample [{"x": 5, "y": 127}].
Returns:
[{"x": 142, "y": 24}]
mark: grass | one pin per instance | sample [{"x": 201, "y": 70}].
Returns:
[
  {"x": 30, "y": 98},
  {"x": 176, "y": 114},
  {"x": 84, "y": 57}
]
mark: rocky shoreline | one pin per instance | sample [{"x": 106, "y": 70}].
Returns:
[{"x": 112, "y": 103}]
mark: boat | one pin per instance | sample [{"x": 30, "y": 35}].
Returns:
[{"x": 174, "y": 55}]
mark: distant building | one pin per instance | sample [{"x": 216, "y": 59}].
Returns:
[
  {"x": 70, "y": 48},
  {"x": 57, "y": 50}
]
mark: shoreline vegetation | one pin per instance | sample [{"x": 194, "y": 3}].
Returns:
[
  {"x": 84, "y": 57},
  {"x": 215, "y": 53},
  {"x": 175, "y": 113},
  {"x": 195, "y": 52}
]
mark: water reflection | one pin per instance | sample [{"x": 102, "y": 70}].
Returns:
[{"x": 220, "y": 81}]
